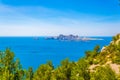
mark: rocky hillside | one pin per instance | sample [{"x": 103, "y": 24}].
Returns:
[{"x": 109, "y": 55}]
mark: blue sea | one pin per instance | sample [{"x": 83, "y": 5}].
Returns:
[{"x": 34, "y": 52}]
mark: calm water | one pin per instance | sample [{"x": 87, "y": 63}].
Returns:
[{"x": 33, "y": 52}]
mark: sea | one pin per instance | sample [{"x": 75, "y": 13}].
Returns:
[{"x": 34, "y": 52}]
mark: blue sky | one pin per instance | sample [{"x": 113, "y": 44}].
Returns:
[{"x": 53, "y": 17}]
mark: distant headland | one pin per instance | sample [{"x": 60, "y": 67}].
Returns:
[{"x": 71, "y": 37}]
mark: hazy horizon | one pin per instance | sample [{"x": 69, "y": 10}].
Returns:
[{"x": 52, "y": 17}]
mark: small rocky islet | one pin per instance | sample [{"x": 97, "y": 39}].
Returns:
[{"x": 71, "y": 37}]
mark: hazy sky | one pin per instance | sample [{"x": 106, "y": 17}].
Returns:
[{"x": 53, "y": 17}]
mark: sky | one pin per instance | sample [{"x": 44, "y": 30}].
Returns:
[{"x": 54, "y": 17}]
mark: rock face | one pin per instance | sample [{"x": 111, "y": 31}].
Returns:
[
  {"x": 71, "y": 38},
  {"x": 65, "y": 37}
]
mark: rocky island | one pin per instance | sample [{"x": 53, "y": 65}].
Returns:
[{"x": 71, "y": 38}]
